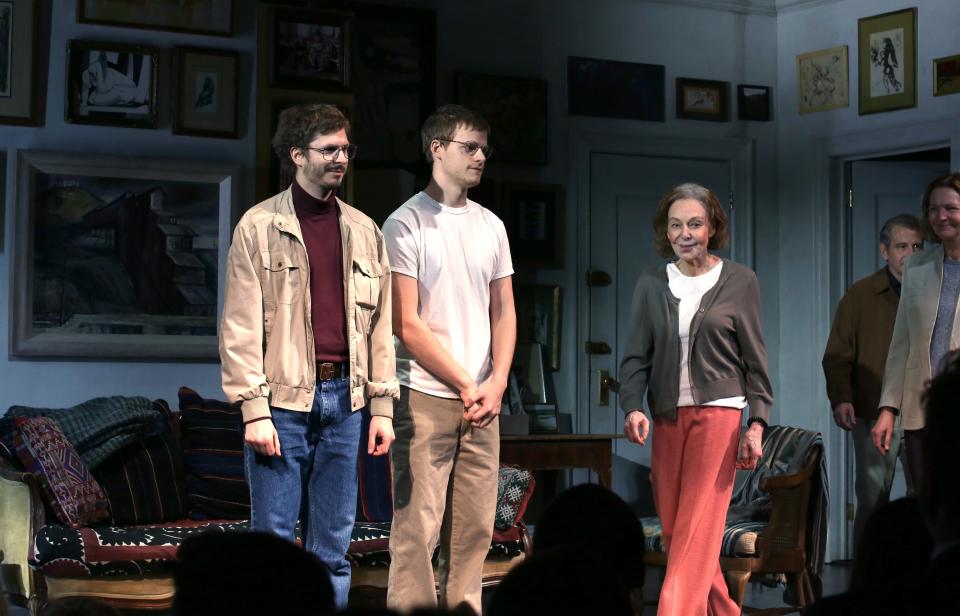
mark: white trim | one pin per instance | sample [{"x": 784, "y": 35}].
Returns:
[
  {"x": 756, "y": 7},
  {"x": 584, "y": 143}
]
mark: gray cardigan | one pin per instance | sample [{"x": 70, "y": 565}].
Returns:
[{"x": 727, "y": 356}]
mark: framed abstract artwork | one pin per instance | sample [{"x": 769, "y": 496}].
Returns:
[
  {"x": 887, "y": 48},
  {"x": 119, "y": 256},
  {"x": 703, "y": 99},
  {"x": 822, "y": 80},
  {"x": 214, "y": 17},
  {"x": 111, "y": 84},
  {"x": 614, "y": 89},
  {"x": 205, "y": 92}
]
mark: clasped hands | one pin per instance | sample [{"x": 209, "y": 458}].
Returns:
[{"x": 481, "y": 404}]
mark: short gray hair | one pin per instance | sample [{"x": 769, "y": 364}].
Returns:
[{"x": 907, "y": 221}]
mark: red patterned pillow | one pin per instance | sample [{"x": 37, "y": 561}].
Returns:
[{"x": 74, "y": 495}]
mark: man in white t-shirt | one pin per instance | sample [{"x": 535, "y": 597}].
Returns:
[{"x": 455, "y": 320}]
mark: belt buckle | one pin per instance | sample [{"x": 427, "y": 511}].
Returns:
[{"x": 327, "y": 371}]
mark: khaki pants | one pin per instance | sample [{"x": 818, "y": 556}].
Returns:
[{"x": 444, "y": 489}]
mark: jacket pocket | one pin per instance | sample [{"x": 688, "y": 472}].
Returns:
[
  {"x": 282, "y": 276},
  {"x": 366, "y": 282}
]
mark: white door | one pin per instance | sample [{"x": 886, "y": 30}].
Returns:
[
  {"x": 881, "y": 190},
  {"x": 624, "y": 192}
]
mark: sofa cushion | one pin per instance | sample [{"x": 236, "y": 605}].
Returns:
[
  {"x": 739, "y": 537},
  {"x": 212, "y": 442},
  {"x": 8, "y": 444},
  {"x": 144, "y": 481},
  {"x": 514, "y": 488},
  {"x": 74, "y": 495}
]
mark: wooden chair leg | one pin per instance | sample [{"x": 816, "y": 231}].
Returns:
[
  {"x": 737, "y": 585},
  {"x": 800, "y": 588}
]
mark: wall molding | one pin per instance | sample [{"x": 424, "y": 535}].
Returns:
[{"x": 754, "y": 7}]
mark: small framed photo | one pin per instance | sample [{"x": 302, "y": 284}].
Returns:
[
  {"x": 946, "y": 76},
  {"x": 533, "y": 217},
  {"x": 753, "y": 103},
  {"x": 213, "y": 17},
  {"x": 614, "y": 89},
  {"x": 23, "y": 70},
  {"x": 205, "y": 92},
  {"x": 887, "y": 48},
  {"x": 111, "y": 84},
  {"x": 308, "y": 48},
  {"x": 703, "y": 99},
  {"x": 822, "y": 80}
]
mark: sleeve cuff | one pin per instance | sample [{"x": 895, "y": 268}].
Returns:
[
  {"x": 255, "y": 408},
  {"x": 381, "y": 406}
]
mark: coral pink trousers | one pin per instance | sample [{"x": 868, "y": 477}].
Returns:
[{"x": 694, "y": 464}]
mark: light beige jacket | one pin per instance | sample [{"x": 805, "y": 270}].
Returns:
[
  {"x": 266, "y": 336},
  {"x": 908, "y": 360}
]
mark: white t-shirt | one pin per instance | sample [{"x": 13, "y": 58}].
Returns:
[
  {"x": 454, "y": 253},
  {"x": 690, "y": 290}
]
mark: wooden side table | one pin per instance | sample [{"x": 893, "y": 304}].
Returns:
[{"x": 561, "y": 451}]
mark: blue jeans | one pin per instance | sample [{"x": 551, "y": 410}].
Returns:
[{"x": 315, "y": 479}]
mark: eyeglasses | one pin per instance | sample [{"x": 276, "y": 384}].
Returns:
[
  {"x": 332, "y": 152},
  {"x": 470, "y": 147}
]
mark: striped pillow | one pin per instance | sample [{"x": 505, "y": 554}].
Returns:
[{"x": 212, "y": 443}]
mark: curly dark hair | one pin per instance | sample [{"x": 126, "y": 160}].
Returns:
[
  {"x": 300, "y": 124},
  {"x": 716, "y": 217},
  {"x": 952, "y": 181},
  {"x": 444, "y": 122}
]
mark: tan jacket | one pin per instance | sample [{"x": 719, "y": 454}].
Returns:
[
  {"x": 266, "y": 337},
  {"x": 908, "y": 361}
]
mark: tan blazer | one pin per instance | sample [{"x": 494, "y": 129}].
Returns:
[{"x": 908, "y": 360}]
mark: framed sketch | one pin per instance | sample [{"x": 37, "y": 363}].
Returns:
[
  {"x": 214, "y": 17},
  {"x": 703, "y": 99},
  {"x": 119, "y": 256},
  {"x": 308, "y": 48},
  {"x": 111, "y": 84},
  {"x": 3, "y": 196},
  {"x": 394, "y": 60},
  {"x": 612, "y": 89},
  {"x": 753, "y": 103},
  {"x": 205, "y": 94},
  {"x": 23, "y": 44},
  {"x": 533, "y": 217},
  {"x": 887, "y": 48},
  {"x": 946, "y": 76},
  {"x": 538, "y": 320},
  {"x": 822, "y": 80},
  {"x": 516, "y": 109}
]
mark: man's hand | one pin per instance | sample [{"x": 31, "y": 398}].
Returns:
[
  {"x": 381, "y": 435},
  {"x": 750, "y": 447},
  {"x": 636, "y": 426},
  {"x": 882, "y": 431},
  {"x": 843, "y": 416},
  {"x": 486, "y": 404},
  {"x": 262, "y": 437}
]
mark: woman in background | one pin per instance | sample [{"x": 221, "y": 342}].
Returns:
[{"x": 696, "y": 349}]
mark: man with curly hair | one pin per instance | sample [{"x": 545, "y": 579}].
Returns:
[{"x": 306, "y": 342}]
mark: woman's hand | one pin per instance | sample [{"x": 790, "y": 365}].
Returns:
[
  {"x": 882, "y": 430},
  {"x": 636, "y": 426},
  {"x": 750, "y": 447}
]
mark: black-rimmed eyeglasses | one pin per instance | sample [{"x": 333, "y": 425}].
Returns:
[
  {"x": 470, "y": 147},
  {"x": 332, "y": 152}
]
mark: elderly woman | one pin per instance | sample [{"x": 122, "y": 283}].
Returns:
[
  {"x": 695, "y": 347},
  {"x": 926, "y": 328}
]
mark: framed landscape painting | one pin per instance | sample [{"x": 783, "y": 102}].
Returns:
[
  {"x": 308, "y": 48},
  {"x": 119, "y": 256}
]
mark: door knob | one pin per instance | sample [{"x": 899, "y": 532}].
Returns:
[{"x": 605, "y": 384}]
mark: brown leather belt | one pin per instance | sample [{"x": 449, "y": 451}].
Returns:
[{"x": 327, "y": 371}]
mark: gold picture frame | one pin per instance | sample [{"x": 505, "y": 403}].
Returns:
[
  {"x": 887, "y": 54},
  {"x": 823, "y": 81}
]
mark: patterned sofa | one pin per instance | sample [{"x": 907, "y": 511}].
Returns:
[{"x": 95, "y": 500}]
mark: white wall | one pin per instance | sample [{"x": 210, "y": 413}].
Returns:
[{"x": 63, "y": 383}]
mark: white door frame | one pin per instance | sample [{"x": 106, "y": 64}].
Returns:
[
  {"x": 830, "y": 239},
  {"x": 737, "y": 152}
]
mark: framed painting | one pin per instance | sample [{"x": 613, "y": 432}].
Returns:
[
  {"x": 946, "y": 76},
  {"x": 3, "y": 197},
  {"x": 612, "y": 89},
  {"x": 887, "y": 49},
  {"x": 516, "y": 109},
  {"x": 24, "y": 31},
  {"x": 308, "y": 48},
  {"x": 205, "y": 93},
  {"x": 538, "y": 320},
  {"x": 533, "y": 217},
  {"x": 703, "y": 99},
  {"x": 214, "y": 17},
  {"x": 394, "y": 60},
  {"x": 753, "y": 103},
  {"x": 111, "y": 84},
  {"x": 822, "y": 80},
  {"x": 119, "y": 256}
]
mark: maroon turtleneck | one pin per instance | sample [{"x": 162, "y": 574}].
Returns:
[{"x": 320, "y": 225}]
